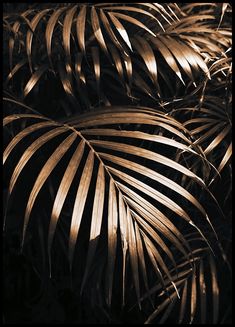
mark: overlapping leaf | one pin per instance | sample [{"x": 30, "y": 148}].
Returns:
[
  {"x": 211, "y": 127},
  {"x": 198, "y": 293},
  {"x": 142, "y": 29},
  {"x": 95, "y": 138}
]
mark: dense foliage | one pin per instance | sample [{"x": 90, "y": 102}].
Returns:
[{"x": 117, "y": 163}]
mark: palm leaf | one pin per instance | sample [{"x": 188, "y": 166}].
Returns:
[
  {"x": 213, "y": 129},
  {"x": 79, "y": 204},
  {"x": 96, "y": 220},
  {"x": 128, "y": 187},
  {"x": 194, "y": 289},
  {"x": 49, "y": 31},
  {"x": 63, "y": 192},
  {"x": 137, "y": 212},
  {"x": 29, "y": 36},
  {"x": 99, "y": 24},
  {"x": 34, "y": 79}
]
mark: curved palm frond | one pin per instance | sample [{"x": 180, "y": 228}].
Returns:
[
  {"x": 193, "y": 291},
  {"x": 199, "y": 288},
  {"x": 210, "y": 125},
  {"x": 118, "y": 32},
  {"x": 108, "y": 152}
]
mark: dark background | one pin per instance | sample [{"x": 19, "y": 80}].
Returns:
[{"x": 29, "y": 295}]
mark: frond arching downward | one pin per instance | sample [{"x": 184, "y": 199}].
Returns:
[
  {"x": 90, "y": 38},
  {"x": 109, "y": 153},
  {"x": 199, "y": 296}
]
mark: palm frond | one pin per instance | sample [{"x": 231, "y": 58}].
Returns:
[
  {"x": 180, "y": 46},
  {"x": 211, "y": 127},
  {"x": 200, "y": 296},
  {"x": 142, "y": 224}
]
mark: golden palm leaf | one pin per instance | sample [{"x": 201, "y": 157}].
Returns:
[
  {"x": 90, "y": 37},
  {"x": 103, "y": 150},
  {"x": 200, "y": 295}
]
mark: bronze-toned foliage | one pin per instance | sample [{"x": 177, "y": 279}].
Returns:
[{"x": 117, "y": 128}]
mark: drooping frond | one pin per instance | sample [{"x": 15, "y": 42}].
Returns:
[
  {"x": 199, "y": 288},
  {"x": 104, "y": 45},
  {"x": 119, "y": 159}
]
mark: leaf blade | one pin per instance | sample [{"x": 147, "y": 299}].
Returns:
[
  {"x": 96, "y": 221},
  {"x": 63, "y": 190},
  {"x": 79, "y": 204},
  {"x": 44, "y": 174},
  {"x": 112, "y": 239},
  {"x": 80, "y": 26}
]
